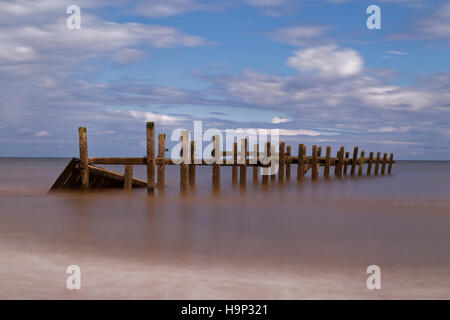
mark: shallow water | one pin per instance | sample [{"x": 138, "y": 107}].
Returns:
[{"x": 290, "y": 241}]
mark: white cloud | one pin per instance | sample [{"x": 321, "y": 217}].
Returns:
[
  {"x": 42, "y": 134},
  {"x": 144, "y": 116},
  {"x": 329, "y": 61},
  {"x": 277, "y": 120},
  {"x": 397, "y": 53},
  {"x": 299, "y": 132}
]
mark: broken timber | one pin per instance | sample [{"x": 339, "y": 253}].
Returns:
[{"x": 84, "y": 174}]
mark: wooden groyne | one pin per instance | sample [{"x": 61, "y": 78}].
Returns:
[{"x": 85, "y": 174}]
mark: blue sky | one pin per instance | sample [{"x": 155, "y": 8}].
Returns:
[{"x": 310, "y": 68}]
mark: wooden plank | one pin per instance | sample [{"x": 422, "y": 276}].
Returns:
[
  {"x": 361, "y": 163},
  {"x": 161, "y": 166},
  {"x": 301, "y": 163},
  {"x": 340, "y": 163},
  {"x": 314, "y": 172},
  {"x": 243, "y": 172},
  {"x": 216, "y": 164},
  {"x": 336, "y": 164},
  {"x": 150, "y": 157},
  {"x": 288, "y": 163},
  {"x": 118, "y": 161},
  {"x": 192, "y": 166},
  {"x": 354, "y": 160},
  {"x": 383, "y": 166},
  {"x": 281, "y": 162},
  {"x": 369, "y": 164},
  {"x": 346, "y": 160},
  {"x": 326, "y": 172},
  {"x": 234, "y": 173},
  {"x": 128, "y": 178},
  {"x": 377, "y": 163},
  {"x": 84, "y": 158},
  {"x": 255, "y": 168}
]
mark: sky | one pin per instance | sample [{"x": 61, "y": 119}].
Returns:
[{"x": 309, "y": 68}]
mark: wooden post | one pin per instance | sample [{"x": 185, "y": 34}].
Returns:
[
  {"x": 377, "y": 163},
  {"x": 281, "y": 153},
  {"x": 244, "y": 153},
  {"x": 216, "y": 164},
  {"x": 234, "y": 169},
  {"x": 319, "y": 152},
  {"x": 301, "y": 162},
  {"x": 265, "y": 177},
  {"x": 336, "y": 164},
  {"x": 255, "y": 168},
  {"x": 128, "y": 178},
  {"x": 326, "y": 172},
  {"x": 288, "y": 163},
  {"x": 150, "y": 157},
  {"x": 347, "y": 155},
  {"x": 361, "y": 163},
  {"x": 84, "y": 158},
  {"x": 340, "y": 161},
  {"x": 314, "y": 172},
  {"x": 391, "y": 160},
  {"x": 273, "y": 176},
  {"x": 184, "y": 171},
  {"x": 355, "y": 157},
  {"x": 383, "y": 166},
  {"x": 369, "y": 164},
  {"x": 192, "y": 166},
  {"x": 161, "y": 167}
]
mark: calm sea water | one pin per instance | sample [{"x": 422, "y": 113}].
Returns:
[{"x": 290, "y": 241}]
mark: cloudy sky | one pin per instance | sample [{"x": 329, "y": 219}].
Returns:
[{"x": 310, "y": 68}]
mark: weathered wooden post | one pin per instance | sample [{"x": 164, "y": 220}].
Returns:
[
  {"x": 234, "y": 172},
  {"x": 347, "y": 155},
  {"x": 391, "y": 161},
  {"x": 314, "y": 172},
  {"x": 369, "y": 164},
  {"x": 128, "y": 178},
  {"x": 281, "y": 153},
  {"x": 361, "y": 163},
  {"x": 326, "y": 172},
  {"x": 355, "y": 157},
  {"x": 161, "y": 166},
  {"x": 383, "y": 166},
  {"x": 255, "y": 167},
  {"x": 216, "y": 164},
  {"x": 244, "y": 154},
  {"x": 287, "y": 160},
  {"x": 184, "y": 173},
  {"x": 84, "y": 158},
  {"x": 150, "y": 157},
  {"x": 336, "y": 164},
  {"x": 273, "y": 174},
  {"x": 301, "y": 162},
  {"x": 377, "y": 163},
  {"x": 265, "y": 177},
  {"x": 340, "y": 161},
  {"x": 192, "y": 166}
]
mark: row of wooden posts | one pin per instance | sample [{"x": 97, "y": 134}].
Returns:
[{"x": 188, "y": 164}]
